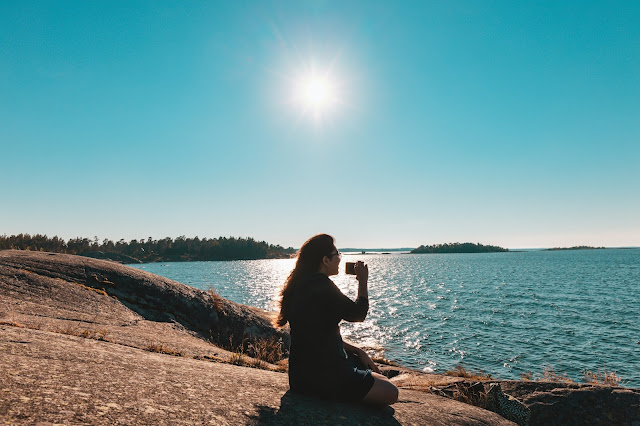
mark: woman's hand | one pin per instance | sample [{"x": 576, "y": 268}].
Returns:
[
  {"x": 362, "y": 275},
  {"x": 367, "y": 361},
  {"x": 362, "y": 355},
  {"x": 362, "y": 272}
]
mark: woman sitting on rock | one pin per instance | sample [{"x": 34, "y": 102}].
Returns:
[{"x": 313, "y": 306}]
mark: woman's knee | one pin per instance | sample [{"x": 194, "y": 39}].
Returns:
[
  {"x": 382, "y": 392},
  {"x": 392, "y": 393}
]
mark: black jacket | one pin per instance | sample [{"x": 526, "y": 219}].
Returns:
[{"x": 317, "y": 360}]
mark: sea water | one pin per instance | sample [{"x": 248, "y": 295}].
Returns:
[{"x": 505, "y": 314}]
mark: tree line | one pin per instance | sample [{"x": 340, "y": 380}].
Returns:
[
  {"x": 150, "y": 250},
  {"x": 458, "y": 248}
]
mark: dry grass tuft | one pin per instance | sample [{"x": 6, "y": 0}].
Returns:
[
  {"x": 283, "y": 365},
  {"x": 216, "y": 299},
  {"x": 35, "y": 325},
  {"x": 97, "y": 290},
  {"x": 12, "y": 324},
  {"x": 99, "y": 278},
  {"x": 233, "y": 338},
  {"x": 70, "y": 329},
  {"x": 527, "y": 376},
  {"x": 102, "y": 334},
  {"x": 258, "y": 363},
  {"x": 260, "y": 353},
  {"x": 94, "y": 334},
  {"x": 87, "y": 333},
  {"x": 603, "y": 377},
  {"x": 269, "y": 349},
  {"x": 548, "y": 375},
  {"x": 237, "y": 358},
  {"x": 162, "y": 349},
  {"x": 460, "y": 371},
  {"x": 207, "y": 358}
]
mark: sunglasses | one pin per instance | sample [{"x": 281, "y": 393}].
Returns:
[{"x": 335, "y": 254}]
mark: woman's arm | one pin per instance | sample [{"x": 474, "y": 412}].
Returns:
[
  {"x": 366, "y": 360},
  {"x": 350, "y": 348},
  {"x": 362, "y": 275},
  {"x": 346, "y": 308}
]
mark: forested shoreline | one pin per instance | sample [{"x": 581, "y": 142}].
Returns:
[{"x": 181, "y": 249}]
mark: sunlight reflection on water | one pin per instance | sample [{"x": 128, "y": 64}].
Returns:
[{"x": 503, "y": 313}]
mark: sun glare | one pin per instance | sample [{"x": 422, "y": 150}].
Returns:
[
  {"x": 315, "y": 95},
  {"x": 317, "y": 92}
]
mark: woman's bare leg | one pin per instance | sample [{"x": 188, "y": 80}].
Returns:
[{"x": 382, "y": 392}]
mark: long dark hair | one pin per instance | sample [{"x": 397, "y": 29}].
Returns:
[{"x": 309, "y": 260}]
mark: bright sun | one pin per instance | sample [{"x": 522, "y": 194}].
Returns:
[{"x": 316, "y": 94}]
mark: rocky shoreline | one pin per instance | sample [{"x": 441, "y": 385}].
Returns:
[{"x": 93, "y": 341}]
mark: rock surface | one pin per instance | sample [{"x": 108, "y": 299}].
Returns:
[
  {"x": 567, "y": 403},
  {"x": 80, "y": 338},
  {"x": 96, "y": 295},
  {"x": 92, "y": 341}
]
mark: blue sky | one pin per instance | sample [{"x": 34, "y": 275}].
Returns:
[{"x": 508, "y": 123}]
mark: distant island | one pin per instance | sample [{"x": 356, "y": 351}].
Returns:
[
  {"x": 181, "y": 249},
  {"x": 458, "y": 248},
  {"x": 577, "y": 248},
  {"x": 375, "y": 250}
]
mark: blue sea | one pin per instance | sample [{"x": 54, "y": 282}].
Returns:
[{"x": 504, "y": 314}]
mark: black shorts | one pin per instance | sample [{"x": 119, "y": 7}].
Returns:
[
  {"x": 348, "y": 381},
  {"x": 355, "y": 384}
]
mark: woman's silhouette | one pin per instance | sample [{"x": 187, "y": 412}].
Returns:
[{"x": 311, "y": 303}]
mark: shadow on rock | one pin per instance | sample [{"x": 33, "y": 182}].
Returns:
[{"x": 300, "y": 409}]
